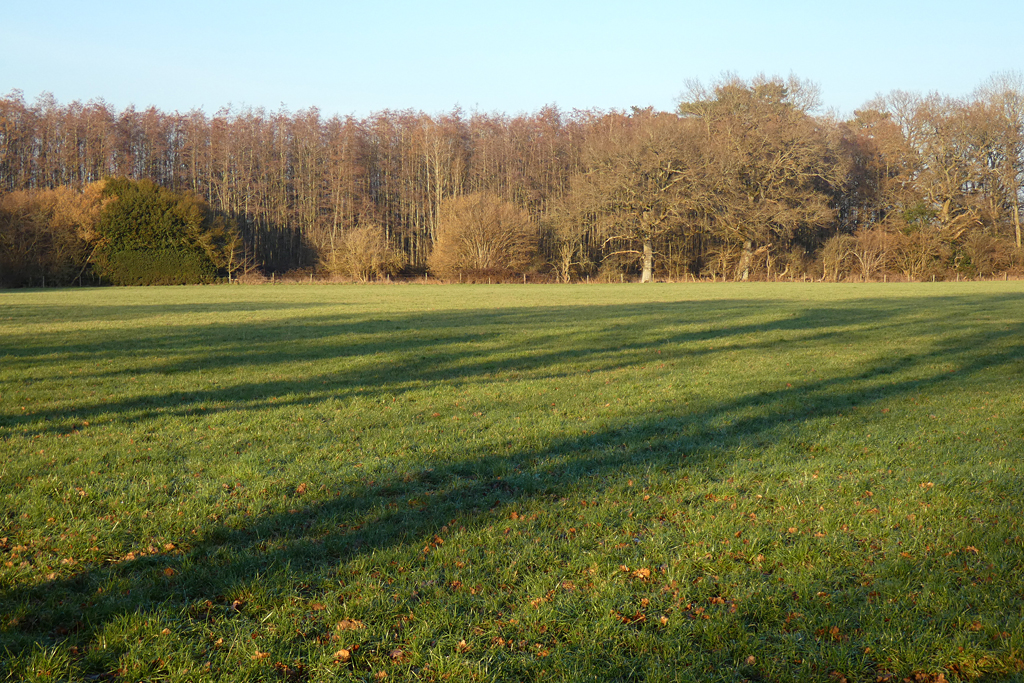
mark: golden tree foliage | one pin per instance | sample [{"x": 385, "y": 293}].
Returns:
[
  {"x": 48, "y": 234},
  {"x": 481, "y": 231},
  {"x": 363, "y": 253}
]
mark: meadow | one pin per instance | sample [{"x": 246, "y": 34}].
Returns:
[{"x": 668, "y": 482}]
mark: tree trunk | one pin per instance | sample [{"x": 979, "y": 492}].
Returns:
[
  {"x": 745, "y": 260},
  {"x": 1016, "y": 221},
  {"x": 648, "y": 273}
]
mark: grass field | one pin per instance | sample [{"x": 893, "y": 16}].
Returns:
[{"x": 469, "y": 483}]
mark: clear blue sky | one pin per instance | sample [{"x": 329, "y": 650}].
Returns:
[{"x": 349, "y": 57}]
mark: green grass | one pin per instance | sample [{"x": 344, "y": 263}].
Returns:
[{"x": 567, "y": 483}]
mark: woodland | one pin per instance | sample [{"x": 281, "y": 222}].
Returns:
[{"x": 745, "y": 180}]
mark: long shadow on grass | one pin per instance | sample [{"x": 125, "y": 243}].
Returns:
[
  {"x": 371, "y": 355},
  {"x": 325, "y": 530}
]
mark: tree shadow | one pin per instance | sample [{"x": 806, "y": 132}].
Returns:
[
  {"x": 464, "y": 348},
  {"x": 457, "y": 348}
]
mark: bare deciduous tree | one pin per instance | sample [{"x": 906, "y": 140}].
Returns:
[
  {"x": 363, "y": 252},
  {"x": 481, "y": 231},
  {"x": 773, "y": 165}
]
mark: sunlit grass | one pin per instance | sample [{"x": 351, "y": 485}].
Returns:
[{"x": 667, "y": 482}]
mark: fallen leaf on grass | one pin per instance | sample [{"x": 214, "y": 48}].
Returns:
[
  {"x": 350, "y": 625},
  {"x": 463, "y": 646},
  {"x": 921, "y": 677},
  {"x": 291, "y": 673},
  {"x": 643, "y": 573},
  {"x": 342, "y": 656},
  {"x": 636, "y": 618},
  {"x": 260, "y": 655}
]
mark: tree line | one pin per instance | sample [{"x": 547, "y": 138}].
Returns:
[{"x": 746, "y": 179}]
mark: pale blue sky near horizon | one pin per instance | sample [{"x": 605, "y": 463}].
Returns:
[{"x": 361, "y": 57}]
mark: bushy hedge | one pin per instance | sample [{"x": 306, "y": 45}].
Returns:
[
  {"x": 158, "y": 267},
  {"x": 153, "y": 236}
]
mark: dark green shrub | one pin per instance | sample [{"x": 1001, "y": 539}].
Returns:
[
  {"x": 151, "y": 236},
  {"x": 158, "y": 267}
]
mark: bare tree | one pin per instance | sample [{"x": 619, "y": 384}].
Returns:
[
  {"x": 362, "y": 252},
  {"x": 640, "y": 181},
  {"x": 1003, "y": 97},
  {"x": 773, "y": 165},
  {"x": 481, "y": 231}
]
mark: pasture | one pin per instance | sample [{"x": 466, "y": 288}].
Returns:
[{"x": 763, "y": 482}]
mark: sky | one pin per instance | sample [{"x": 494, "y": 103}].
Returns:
[{"x": 358, "y": 57}]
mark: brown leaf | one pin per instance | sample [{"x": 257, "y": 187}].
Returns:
[
  {"x": 342, "y": 656},
  {"x": 260, "y": 655},
  {"x": 350, "y": 625},
  {"x": 463, "y": 646},
  {"x": 751, "y": 660},
  {"x": 300, "y": 489},
  {"x": 642, "y": 573}
]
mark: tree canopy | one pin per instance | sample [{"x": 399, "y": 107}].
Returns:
[{"x": 745, "y": 179}]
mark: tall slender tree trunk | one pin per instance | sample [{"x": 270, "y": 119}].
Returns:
[
  {"x": 1016, "y": 221},
  {"x": 745, "y": 260},
  {"x": 648, "y": 273}
]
